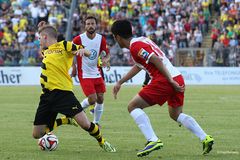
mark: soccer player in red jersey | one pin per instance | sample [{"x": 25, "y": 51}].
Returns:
[
  {"x": 167, "y": 85},
  {"x": 89, "y": 73}
]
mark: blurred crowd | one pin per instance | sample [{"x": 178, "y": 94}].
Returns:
[
  {"x": 225, "y": 34},
  {"x": 171, "y": 24}
]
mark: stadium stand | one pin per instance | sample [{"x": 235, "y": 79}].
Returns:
[{"x": 186, "y": 27}]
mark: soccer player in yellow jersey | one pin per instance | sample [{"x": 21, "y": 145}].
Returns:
[{"x": 57, "y": 96}]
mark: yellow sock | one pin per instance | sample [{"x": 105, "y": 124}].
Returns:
[
  {"x": 95, "y": 132},
  {"x": 58, "y": 122},
  {"x": 65, "y": 120},
  {"x": 54, "y": 127},
  {"x": 47, "y": 130}
]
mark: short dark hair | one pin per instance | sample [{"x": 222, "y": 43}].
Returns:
[
  {"x": 90, "y": 17},
  {"x": 123, "y": 28}
]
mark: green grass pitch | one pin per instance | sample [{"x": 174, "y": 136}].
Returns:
[{"x": 216, "y": 108}]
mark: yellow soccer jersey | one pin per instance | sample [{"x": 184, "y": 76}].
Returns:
[{"x": 57, "y": 60}]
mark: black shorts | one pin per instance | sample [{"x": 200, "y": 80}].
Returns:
[{"x": 54, "y": 102}]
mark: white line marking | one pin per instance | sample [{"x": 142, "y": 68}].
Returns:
[{"x": 227, "y": 152}]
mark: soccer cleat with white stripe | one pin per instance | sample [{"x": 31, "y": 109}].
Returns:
[{"x": 107, "y": 147}]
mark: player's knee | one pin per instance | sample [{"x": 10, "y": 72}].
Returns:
[
  {"x": 100, "y": 100},
  {"x": 174, "y": 116},
  {"x": 133, "y": 104},
  {"x": 131, "y": 108},
  {"x": 37, "y": 135},
  {"x": 92, "y": 100}
]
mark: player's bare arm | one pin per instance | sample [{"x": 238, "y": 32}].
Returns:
[
  {"x": 74, "y": 68},
  {"x": 135, "y": 69},
  {"x": 161, "y": 67},
  {"x": 106, "y": 61},
  {"x": 82, "y": 52}
]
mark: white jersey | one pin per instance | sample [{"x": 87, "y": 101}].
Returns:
[{"x": 88, "y": 66}]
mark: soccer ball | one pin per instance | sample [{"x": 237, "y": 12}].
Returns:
[{"x": 48, "y": 142}]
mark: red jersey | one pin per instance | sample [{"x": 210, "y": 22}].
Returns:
[
  {"x": 142, "y": 49},
  {"x": 159, "y": 90}
]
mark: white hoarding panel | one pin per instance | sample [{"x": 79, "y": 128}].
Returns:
[
  {"x": 192, "y": 75},
  {"x": 19, "y": 75},
  {"x": 211, "y": 75}
]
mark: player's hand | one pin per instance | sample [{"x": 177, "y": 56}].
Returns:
[
  {"x": 105, "y": 61},
  {"x": 177, "y": 87},
  {"x": 108, "y": 67},
  {"x": 74, "y": 71},
  {"x": 83, "y": 52},
  {"x": 115, "y": 90}
]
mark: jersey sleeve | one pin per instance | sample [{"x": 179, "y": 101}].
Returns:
[
  {"x": 69, "y": 46},
  {"x": 141, "y": 52},
  {"x": 103, "y": 46},
  {"x": 77, "y": 40}
]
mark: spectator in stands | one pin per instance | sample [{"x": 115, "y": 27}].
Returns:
[
  {"x": 237, "y": 50},
  {"x": 232, "y": 58},
  {"x": 206, "y": 13},
  {"x": 233, "y": 42},
  {"x": 201, "y": 23},
  {"x": 224, "y": 39},
  {"x": 171, "y": 21},
  {"x": 216, "y": 4},
  {"x": 34, "y": 10},
  {"x": 1, "y": 34},
  {"x": 4, "y": 8},
  {"x": 43, "y": 13},
  {"x": 198, "y": 37},
  {"x": 22, "y": 35},
  {"x": 183, "y": 43},
  {"x": 18, "y": 11},
  {"x": 214, "y": 35},
  {"x": 1, "y": 61},
  {"x": 7, "y": 61},
  {"x": 226, "y": 52},
  {"x": 218, "y": 47},
  {"x": 193, "y": 43},
  {"x": 24, "y": 56}
]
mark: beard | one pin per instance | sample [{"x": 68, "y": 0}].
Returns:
[{"x": 91, "y": 31}]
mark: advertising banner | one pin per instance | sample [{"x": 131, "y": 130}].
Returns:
[
  {"x": 211, "y": 75},
  {"x": 192, "y": 76}
]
